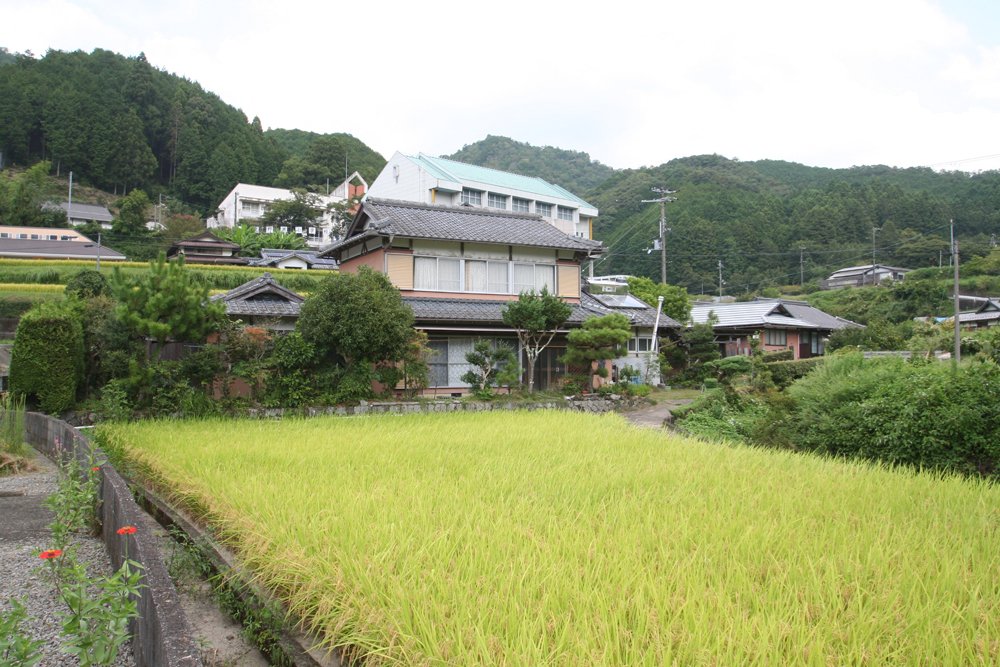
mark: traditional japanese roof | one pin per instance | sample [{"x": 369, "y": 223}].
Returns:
[
  {"x": 274, "y": 256},
  {"x": 750, "y": 314},
  {"x": 205, "y": 240},
  {"x": 469, "y": 311},
  {"x": 398, "y": 219},
  {"x": 864, "y": 269},
  {"x": 28, "y": 248},
  {"x": 804, "y": 311},
  {"x": 261, "y": 297},
  {"x": 990, "y": 310},
  {"x": 463, "y": 173}
]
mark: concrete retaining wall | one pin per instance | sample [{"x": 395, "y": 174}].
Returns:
[
  {"x": 594, "y": 404},
  {"x": 161, "y": 636}
]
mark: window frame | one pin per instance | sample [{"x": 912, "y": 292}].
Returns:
[
  {"x": 772, "y": 335},
  {"x": 564, "y": 213},
  {"x": 463, "y": 263},
  {"x": 472, "y": 197},
  {"x": 519, "y": 205},
  {"x": 493, "y": 197}
]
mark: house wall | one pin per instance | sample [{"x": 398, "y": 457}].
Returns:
[
  {"x": 403, "y": 179},
  {"x": 293, "y": 263}
]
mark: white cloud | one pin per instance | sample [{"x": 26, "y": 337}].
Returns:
[{"x": 902, "y": 82}]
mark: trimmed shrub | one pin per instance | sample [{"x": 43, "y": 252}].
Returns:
[
  {"x": 87, "y": 284},
  {"x": 47, "y": 359},
  {"x": 919, "y": 414},
  {"x": 784, "y": 373}
]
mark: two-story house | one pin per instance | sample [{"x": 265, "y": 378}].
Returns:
[
  {"x": 457, "y": 267},
  {"x": 439, "y": 181},
  {"x": 247, "y": 204}
]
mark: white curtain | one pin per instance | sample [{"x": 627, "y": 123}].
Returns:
[
  {"x": 449, "y": 275},
  {"x": 424, "y": 273},
  {"x": 524, "y": 278},
  {"x": 545, "y": 276},
  {"x": 498, "y": 278},
  {"x": 475, "y": 276}
]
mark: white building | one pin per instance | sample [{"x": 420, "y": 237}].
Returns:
[
  {"x": 246, "y": 204},
  {"x": 434, "y": 180}
]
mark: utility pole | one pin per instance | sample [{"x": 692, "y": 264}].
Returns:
[
  {"x": 957, "y": 356},
  {"x": 98, "y": 251},
  {"x": 802, "y": 270},
  {"x": 874, "y": 229},
  {"x": 69, "y": 204},
  {"x": 662, "y": 201},
  {"x": 720, "y": 279}
]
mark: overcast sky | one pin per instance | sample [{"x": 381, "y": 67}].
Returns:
[{"x": 834, "y": 84}]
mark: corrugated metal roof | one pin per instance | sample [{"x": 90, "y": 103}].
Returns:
[
  {"x": 460, "y": 172},
  {"x": 804, "y": 311},
  {"x": 749, "y": 314}
]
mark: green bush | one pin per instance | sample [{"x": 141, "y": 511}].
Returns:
[
  {"x": 47, "y": 359},
  {"x": 784, "y": 373},
  {"x": 87, "y": 284},
  {"x": 914, "y": 413}
]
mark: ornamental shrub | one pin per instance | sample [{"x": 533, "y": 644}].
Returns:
[
  {"x": 920, "y": 414},
  {"x": 783, "y": 373},
  {"x": 46, "y": 362}
]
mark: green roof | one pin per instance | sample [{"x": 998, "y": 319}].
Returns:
[{"x": 458, "y": 172}]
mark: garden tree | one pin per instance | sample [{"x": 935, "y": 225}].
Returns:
[
  {"x": 300, "y": 211},
  {"x": 598, "y": 339},
  {"x": 493, "y": 363},
  {"x": 22, "y": 196},
  {"x": 87, "y": 284},
  {"x": 696, "y": 348},
  {"x": 131, "y": 218},
  {"x": 356, "y": 320},
  {"x": 166, "y": 303},
  {"x": 676, "y": 301},
  {"x": 535, "y": 316},
  {"x": 177, "y": 227},
  {"x": 414, "y": 366},
  {"x": 245, "y": 236},
  {"x": 47, "y": 361}
]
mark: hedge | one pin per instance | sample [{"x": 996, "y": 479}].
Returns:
[
  {"x": 784, "y": 373},
  {"x": 47, "y": 358}
]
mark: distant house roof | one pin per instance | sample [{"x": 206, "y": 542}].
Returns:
[
  {"x": 90, "y": 212},
  {"x": 471, "y": 311},
  {"x": 864, "y": 269},
  {"x": 750, "y": 314},
  {"x": 461, "y": 172},
  {"x": 207, "y": 248},
  {"x": 804, "y": 311},
  {"x": 274, "y": 256},
  {"x": 990, "y": 310},
  {"x": 389, "y": 218},
  {"x": 46, "y": 249},
  {"x": 640, "y": 313},
  {"x": 261, "y": 297}
]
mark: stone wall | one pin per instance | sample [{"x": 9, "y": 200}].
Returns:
[{"x": 161, "y": 636}]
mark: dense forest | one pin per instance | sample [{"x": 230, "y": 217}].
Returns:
[
  {"x": 120, "y": 123},
  {"x": 769, "y": 223}
]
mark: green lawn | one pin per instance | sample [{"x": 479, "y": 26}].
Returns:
[{"x": 556, "y": 538}]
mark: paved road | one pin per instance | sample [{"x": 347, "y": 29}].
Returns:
[{"x": 655, "y": 416}]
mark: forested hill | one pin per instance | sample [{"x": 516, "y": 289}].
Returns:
[
  {"x": 761, "y": 219},
  {"x": 572, "y": 170},
  {"x": 120, "y": 123}
]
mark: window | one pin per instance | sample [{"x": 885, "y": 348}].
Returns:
[
  {"x": 521, "y": 205},
  {"x": 496, "y": 201},
  {"x": 543, "y": 209},
  {"x": 269, "y": 229},
  {"x": 298, "y": 230},
  {"x": 775, "y": 337},
  {"x": 447, "y": 362},
  {"x": 284, "y": 229},
  {"x": 34, "y": 237},
  {"x": 565, "y": 213},
  {"x": 446, "y": 274},
  {"x": 52, "y": 237},
  {"x": 472, "y": 197},
  {"x": 4, "y": 235},
  {"x": 640, "y": 344}
]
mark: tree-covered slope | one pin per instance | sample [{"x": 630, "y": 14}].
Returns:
[
  {"x": 314, "y": 157},
  {"x": 573, "y": 170}
]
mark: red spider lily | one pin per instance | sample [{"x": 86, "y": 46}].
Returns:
[
  {"x": 126, "y": 530},
  {"x": 50, "y": 553},
  {"x": 95, "y": 468}
]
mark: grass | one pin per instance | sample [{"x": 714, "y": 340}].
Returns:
[{"x": 555, "y": 538}]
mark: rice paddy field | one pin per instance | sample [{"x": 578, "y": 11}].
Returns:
[{"x": 556, "y": 538}]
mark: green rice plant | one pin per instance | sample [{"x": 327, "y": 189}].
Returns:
[{"x": 557, "y": 538}]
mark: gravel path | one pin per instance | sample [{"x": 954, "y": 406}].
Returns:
[{"x": 23, "y": 533}]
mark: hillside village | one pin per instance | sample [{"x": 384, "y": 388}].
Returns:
[{"x": 256, "y": 324}]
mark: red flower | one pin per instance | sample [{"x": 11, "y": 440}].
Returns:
[
  {"x": 50, "y": 553},
  {"x": 95, "y": 468},
  {"x": 126, "y": 530}
]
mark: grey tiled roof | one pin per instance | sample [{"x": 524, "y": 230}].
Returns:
[
  {"x": 263, "y": 297},
  {"x": 467, "y": 311},
  {"x": 803, "y": 311},
  {"x": 272, "y": 257},
  {"x": 383, "y": 217},
  {"x": 79, "y": 211},
  {"x": 749, "y": 314}
]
